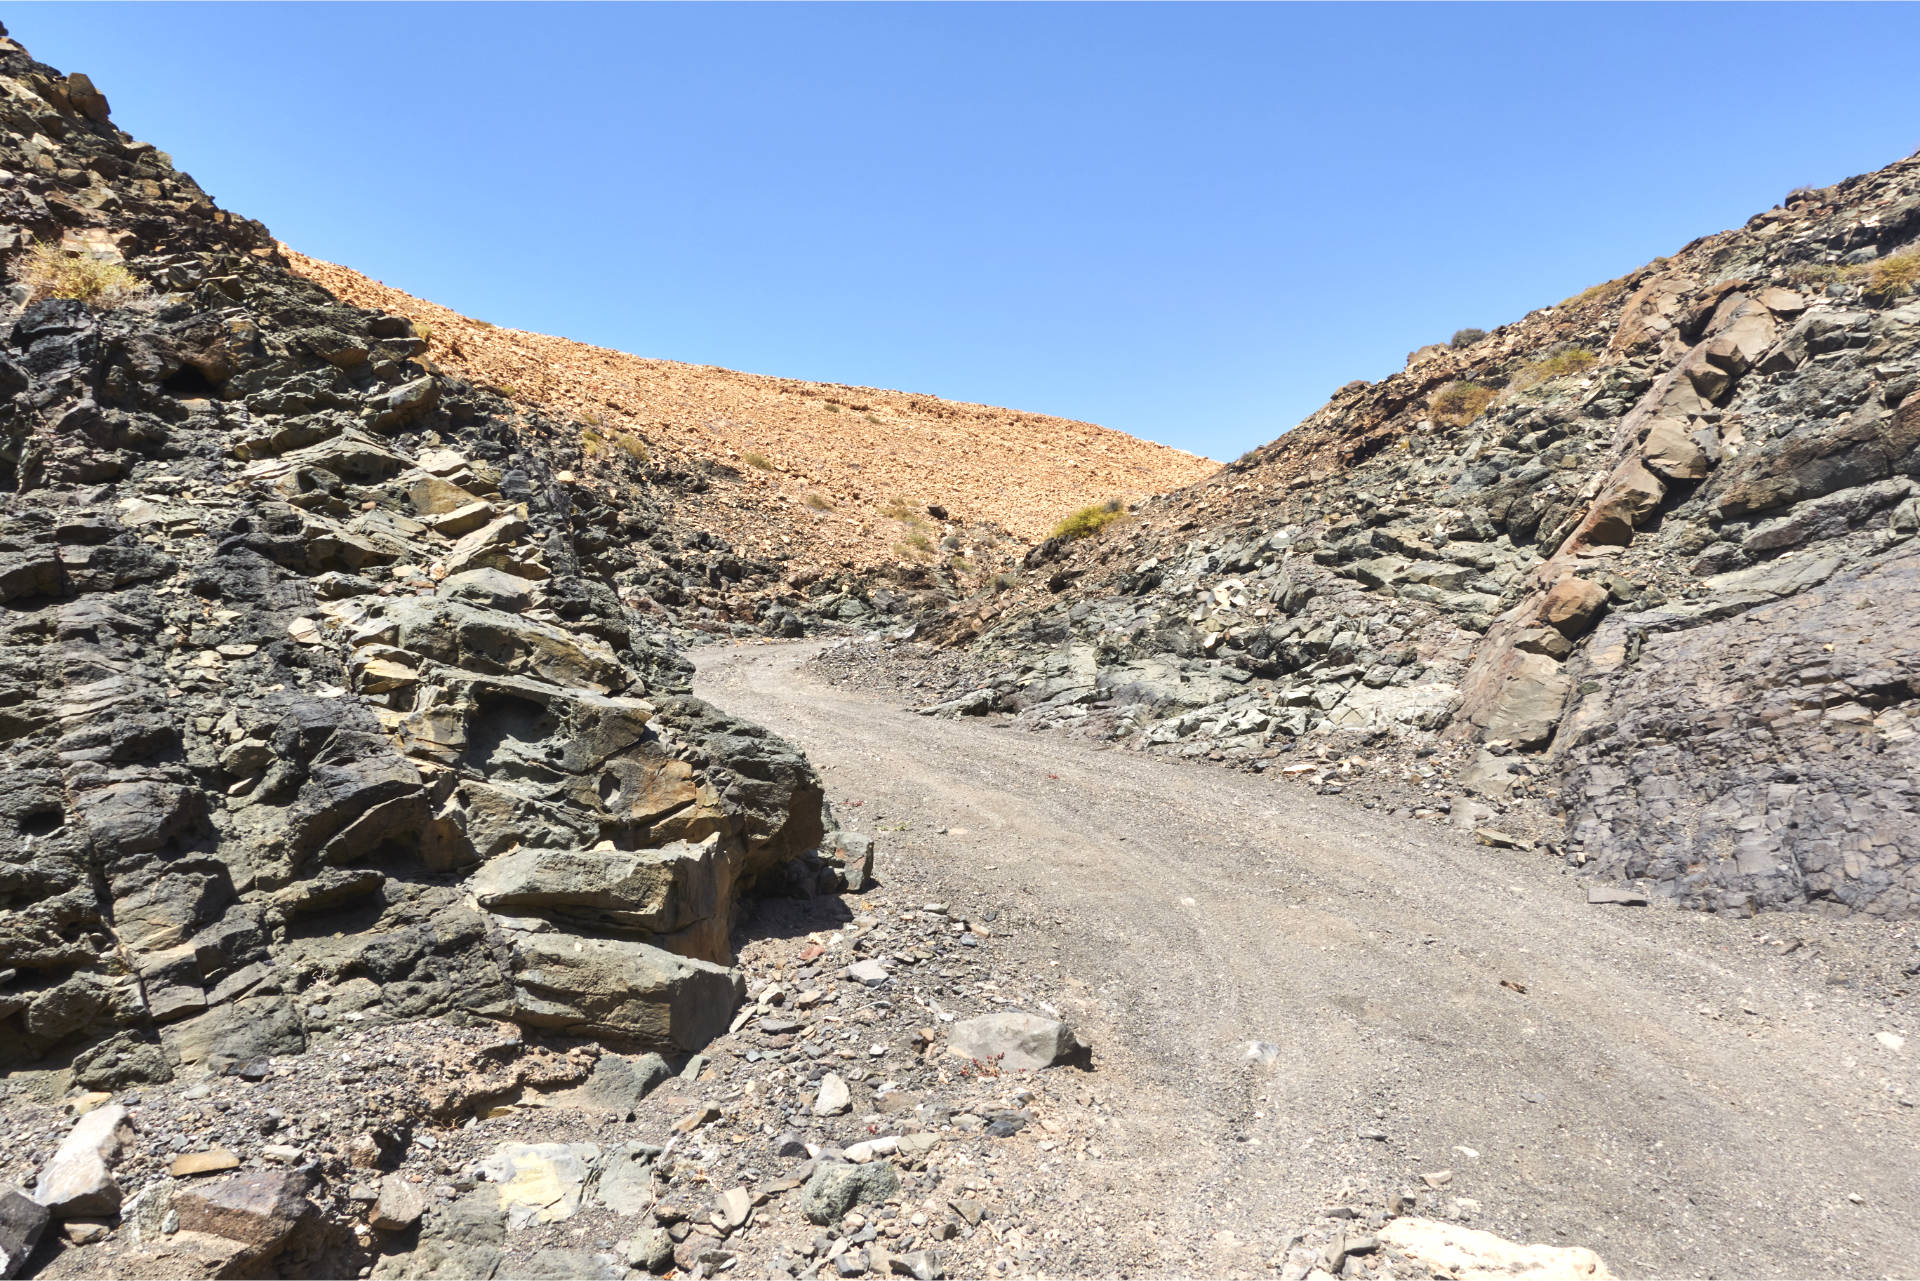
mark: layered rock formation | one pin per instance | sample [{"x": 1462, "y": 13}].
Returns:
[
  {"x": 320, "y": 699},
  {"x": 1644, "y": 559}
]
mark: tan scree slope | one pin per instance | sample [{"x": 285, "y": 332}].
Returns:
[{"x": 821, "y": 464}]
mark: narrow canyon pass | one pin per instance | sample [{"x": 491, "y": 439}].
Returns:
[{"x": 478, "y": 805}]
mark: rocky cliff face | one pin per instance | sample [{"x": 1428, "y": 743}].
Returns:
[
  {"x": 1638, "y": 570},
  {"x": 319, "y": 700}
]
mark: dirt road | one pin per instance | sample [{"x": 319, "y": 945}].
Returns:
[{"x": 1659, "y": 1086}]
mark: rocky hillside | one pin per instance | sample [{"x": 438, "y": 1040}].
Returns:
[
  {"x": 1635, "y": 575},
  {"x": 319, "y": 700},
  {"x": 825, "y": 481}
]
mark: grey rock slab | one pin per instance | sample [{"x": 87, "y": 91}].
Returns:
[
  {"x": 1023, "y": 1042},
  {"x": 868, "y": 973},
  {"x": 625, "y": 1185},
  {"x": 615, "y": 1086}
]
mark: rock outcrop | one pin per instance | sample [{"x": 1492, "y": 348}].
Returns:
[
  {"x": 321, "y": 696},
  {"x": 1640, "y": 566}
]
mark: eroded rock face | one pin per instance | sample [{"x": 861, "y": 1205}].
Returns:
[
  {"x": 320, "y": 692},
  {"x": 1654, "y": 598}
]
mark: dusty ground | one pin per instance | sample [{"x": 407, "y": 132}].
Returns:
[
  {"x": 1687, "y": 1095},
  {"x": 794, "y": 442}
]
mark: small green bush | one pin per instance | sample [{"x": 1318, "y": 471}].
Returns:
[
  {"x": 819, "y": 502},
  {"x": 50, "y": 272},
  {"x": 1089, "y": 521},
  {"x": 1465, "y": 338},
  {"x": 759, "y": 462},
  {"x": 1458, "y": 404}
]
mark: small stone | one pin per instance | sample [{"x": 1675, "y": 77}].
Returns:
[
  {"x": 735, "y": 1207},
  {"x": 707, "y": 1114},
  {"x": 834, "y": 1097},
  {"x": 869, "y": 973},
  {"x": 851, "y": 1264},
  {"x": 211, "y": 1161},
  {"x": 922, "y": 1265},
  {"x": 969, "y": 1209},
  {"x": 85, "y": 1231},
  {"x": 835, "y": 1189},
  {"x": 652, "y": 1249},
  {"x": 399, "y": 1206}
]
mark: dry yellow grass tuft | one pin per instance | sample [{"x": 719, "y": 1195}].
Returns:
[
  {"x": 1458, "y": 404},
  {"x": 51, "y": 272}
]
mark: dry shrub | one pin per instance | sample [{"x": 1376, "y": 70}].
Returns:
[
  {"x": 1895, "y": 274},
  {"x": 50, "y": 272},
  {"x": 1458, "y": 404},
  {"x": 1555, "y": 364}
]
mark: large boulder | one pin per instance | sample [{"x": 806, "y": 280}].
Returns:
[{"x": 1022, "y": 1042}]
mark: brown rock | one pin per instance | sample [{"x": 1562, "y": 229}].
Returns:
[
  {"x": 1672, "y": 451},
  {"x": 1573, "y": 605},
  {"x": 399, "y": 1206},
  {"x": 260, "y": 1208},
  {"x": 212, "y": 1161},
  {"x": 1633, "y": 495}
]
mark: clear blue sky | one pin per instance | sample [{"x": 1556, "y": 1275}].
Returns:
[{"x": 1188, "y": 222}]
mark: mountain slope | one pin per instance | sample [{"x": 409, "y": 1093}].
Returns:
[
  {"x": 1636, "y": 574},
  {"x": 817, "y": 470}
]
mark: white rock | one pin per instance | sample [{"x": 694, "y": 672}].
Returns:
[
  {"x": 1471, "y": 1255},
  {"x": 78, "y": 1181},
  {"x": 834, "y": 1097}
]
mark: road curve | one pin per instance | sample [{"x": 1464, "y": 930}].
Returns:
[{"x": 1645, "y": 1082}]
